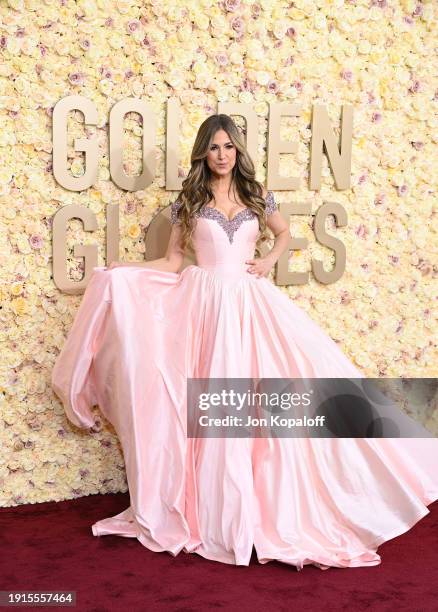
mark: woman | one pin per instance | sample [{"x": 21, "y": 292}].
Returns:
[{"x": 328, "y": 501}]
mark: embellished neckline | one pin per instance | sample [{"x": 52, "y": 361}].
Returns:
[
  {"x": 224, "y": 215},
  {"x": 230, "y": 226}
]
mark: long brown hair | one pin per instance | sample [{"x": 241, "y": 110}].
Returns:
[{"x": 196, "y": 190}]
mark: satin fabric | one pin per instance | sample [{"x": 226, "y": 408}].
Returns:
[{"x": 137, "y": 336}]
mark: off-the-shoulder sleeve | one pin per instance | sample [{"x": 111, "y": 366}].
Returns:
[
  {"x": 271, "y": 205},
  {"x": 174, "y": 208}
]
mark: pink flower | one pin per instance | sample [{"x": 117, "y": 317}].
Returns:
[
  {"x": 256, "y": 9},
  {"x": 361, "y": 231},
  {"x": 231, "y": 5},
  {"x": 238, "y": 25},
  {"x": 345, "y": 297},
  {"x": 97, "y": 426},
  {"x": 247, "y": 85},
  {"x": 378, "y": 201},
  {"x": 414, "y": 87},
  {"x": 347, "y": 75},
  {"x": 130, "y": 207},
  {"x": 34, "y": 424},
  {"x": 76, "y": 78},
  {"x": 132, "y": 25},
  {"x": 291, "y": 32},
  {"x": 273, "y": 86},
  {"x": 424, "y": 266},
  {"x": 36, "y": 241},
  {"x": 402, "y": 190},
  {"x": 376, "y": 117},
  {"x": 105, "y": 72},
  {"x": 221, "y": 59}
]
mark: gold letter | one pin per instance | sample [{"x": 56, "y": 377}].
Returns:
[
  {"x": 90, "y": 147},
  {"x": 321, "y": 275},
  {"x": 112, "y": 233},
  {"x": 283, "y": 276},
  {"x": 59, "y": 252},
  {"x": 277, "y": 146},
  {"x": 322, "y": 134},
  {"x": 117, "y": 114},
  {"x": 173, "y": 181}
]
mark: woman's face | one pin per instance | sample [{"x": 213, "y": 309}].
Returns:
[{"x": 221, "y": 156}]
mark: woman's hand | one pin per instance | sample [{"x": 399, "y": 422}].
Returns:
[
  {"x": 260, "y": 266},
  {"x": 115, "y": 264}
]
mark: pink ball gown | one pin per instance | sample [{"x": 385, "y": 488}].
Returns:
[{"x": 137, "y": 336}]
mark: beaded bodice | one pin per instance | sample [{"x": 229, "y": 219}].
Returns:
[{"x": 224, "y": 245}]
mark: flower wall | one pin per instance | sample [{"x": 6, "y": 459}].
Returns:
[{"x": 378, "y": 56}]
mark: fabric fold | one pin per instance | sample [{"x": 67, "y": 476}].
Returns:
[{"x": 139, "y": 334}]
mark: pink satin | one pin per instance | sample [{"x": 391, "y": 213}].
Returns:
[{"x": 139, "y": 333}]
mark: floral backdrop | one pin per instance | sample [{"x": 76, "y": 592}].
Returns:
[{"x": 377, "y": 55}]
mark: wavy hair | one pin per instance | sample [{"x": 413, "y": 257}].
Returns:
[{"x": 196, "y": 189}]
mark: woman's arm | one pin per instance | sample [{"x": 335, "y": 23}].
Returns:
[
  {"x": 262, "y": 265},
  {"x": 172, "y": 260}
]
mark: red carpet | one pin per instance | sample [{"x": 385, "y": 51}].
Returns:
[{"x": 50, "y": 546}]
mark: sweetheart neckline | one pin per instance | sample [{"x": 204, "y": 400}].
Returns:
[{"x": 224, "y": 215}]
